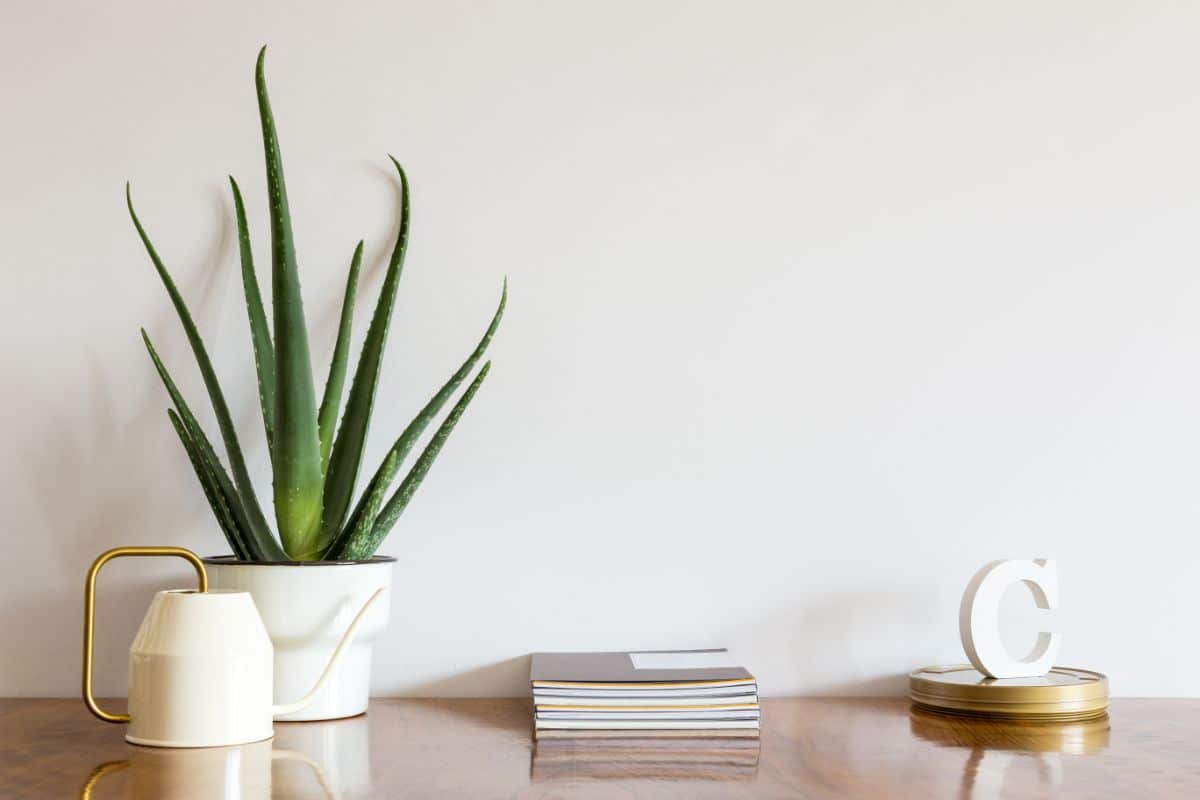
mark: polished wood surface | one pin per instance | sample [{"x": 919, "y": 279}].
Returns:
[{"x": 810, "y": 748}]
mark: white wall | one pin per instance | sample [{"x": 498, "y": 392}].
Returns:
[{"x": 815, "y": 308}]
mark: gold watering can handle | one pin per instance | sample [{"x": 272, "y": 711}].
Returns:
[{"x": 89, "y": 611}]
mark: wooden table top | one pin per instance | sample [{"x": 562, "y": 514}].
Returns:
[{"x": 810, "y": 748}]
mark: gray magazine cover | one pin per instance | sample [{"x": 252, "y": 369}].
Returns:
[{"x": 619, "y": 668}]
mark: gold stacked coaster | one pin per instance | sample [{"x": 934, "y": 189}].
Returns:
[{"x": 1063, "y": 694}]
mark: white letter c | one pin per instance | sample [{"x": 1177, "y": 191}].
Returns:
[{"x": 979, "y": 618}]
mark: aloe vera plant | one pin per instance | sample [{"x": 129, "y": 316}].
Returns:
[{"x": 315, "y": 467}]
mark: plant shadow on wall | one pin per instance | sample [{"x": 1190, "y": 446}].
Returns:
[
  {"x": 91, "y": 452},
  {"x": 100, "y": 451}
]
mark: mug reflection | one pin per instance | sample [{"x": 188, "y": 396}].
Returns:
[{"x": 304, "y": 760}]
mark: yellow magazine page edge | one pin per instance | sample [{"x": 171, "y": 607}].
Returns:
[
  {"x": 636, "y": 709},
  {"x": 636, "y": 685}
]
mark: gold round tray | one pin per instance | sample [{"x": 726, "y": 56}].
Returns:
[{"x": 1064, "y": 694}]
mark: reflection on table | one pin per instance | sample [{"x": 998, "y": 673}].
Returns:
[
  {"x": 993, "y": 747},
  {"x": 1072, "y": 738},
  {"x": 623, "y": 758},
  {"x": 317, "y": 760},
  {"x": 482, "y": 748}
]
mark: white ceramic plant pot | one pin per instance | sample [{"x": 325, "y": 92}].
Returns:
[{"x": 306, "y": 607}]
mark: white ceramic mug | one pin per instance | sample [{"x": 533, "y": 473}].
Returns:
[{"x": 201, "y": 665}]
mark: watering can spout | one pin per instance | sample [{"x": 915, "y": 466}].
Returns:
[{"x": 339, "y": 651}]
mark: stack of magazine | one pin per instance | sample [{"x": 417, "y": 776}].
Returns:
[{"x": 659, "y": 694}]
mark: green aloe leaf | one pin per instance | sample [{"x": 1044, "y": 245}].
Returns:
[
  {"x": 413, "y": 432},
  {"x": 332, "y": 399},
  {"x": 346, "y": 458},
  {"x": 255, "y": 522},
  {"x": 296, "y": 456},
  {"x": 260, "y": 333},
  {"x": 359, "y": 543},
  {"x": 259, "y": 546},
  {"x": 358, "y": 546},
  {"x": 212, "y": 492}
]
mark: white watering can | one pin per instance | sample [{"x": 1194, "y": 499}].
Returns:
[{"x": 201, "y": 665}]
